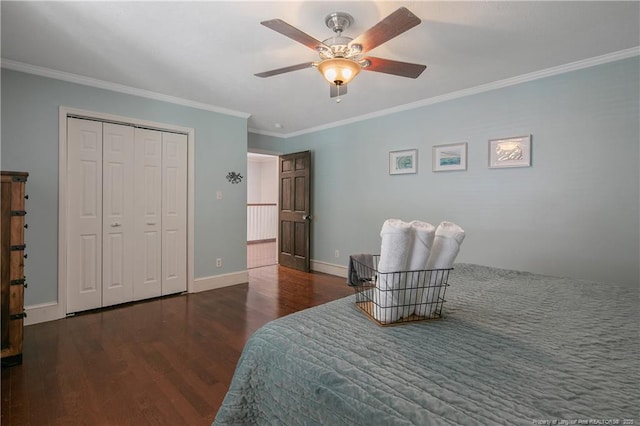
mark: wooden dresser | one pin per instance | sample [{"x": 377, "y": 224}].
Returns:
[{"x": 12, "y": 230}]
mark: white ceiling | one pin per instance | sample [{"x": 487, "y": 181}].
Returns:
[{"x": 207, "y": 52}]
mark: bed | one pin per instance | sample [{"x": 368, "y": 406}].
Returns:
[{"x": 513, "y": 348}]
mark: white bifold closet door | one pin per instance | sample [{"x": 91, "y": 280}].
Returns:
[
  {"x": 126, "y": 214},
  {"x": 84, "y": 215},
  {"x": 174, "y": 213},
  {"x": 148, "y": 239},
  {"x": 117, "y": 214}
]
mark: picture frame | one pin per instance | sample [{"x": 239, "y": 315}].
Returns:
[
  {"x": 403, "y": 162},
  {"x": 449, "y": 157},
  {"x": 510, "y": 152}
]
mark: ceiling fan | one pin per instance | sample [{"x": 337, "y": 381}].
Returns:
[{"x": 341, "y": 58}]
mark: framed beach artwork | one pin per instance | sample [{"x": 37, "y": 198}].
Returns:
[
  {"x": 401, "y": 162},
  {"x": 510, "y": 152},
  {"x": 449, "y": 157}
]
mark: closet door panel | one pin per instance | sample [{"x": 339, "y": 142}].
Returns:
[
  {"x": 118, "y": 214},
  {"x": 148, "y": 214},
  {"x": 174, "y": 213},
  {"x": 84, "y": 213}
]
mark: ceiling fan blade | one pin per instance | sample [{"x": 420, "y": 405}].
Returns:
[
  {"x": 333, "y": 90},
  {"x": 387, "y": 66},
  {"x": 278, "y": 25},
  {"x": 285, "y": 69},
  {"x": 395, "y": 24}
]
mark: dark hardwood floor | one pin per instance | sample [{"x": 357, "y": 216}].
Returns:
[{"x": 167, "y": 361}]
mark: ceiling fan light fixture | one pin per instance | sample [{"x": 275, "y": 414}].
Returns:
[{"x": 339, "y": 71}]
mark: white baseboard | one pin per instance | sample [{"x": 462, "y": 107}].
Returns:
[
  {"x": 219, "y": 281},
  {"x": 51, "y": 311},
  {"x": 43, "y": 312},
  {"x": 329, "y": 268}
]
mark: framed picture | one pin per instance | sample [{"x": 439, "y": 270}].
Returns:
[
  {"x": 401, "y": 162},
  {"x": 510, "y": 152},
  {"x": 449, "y": 157}
]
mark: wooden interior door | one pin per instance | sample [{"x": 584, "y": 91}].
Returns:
[{"x": 295, "y": 210}]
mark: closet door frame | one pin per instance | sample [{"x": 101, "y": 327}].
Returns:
[{"x": 66, "y": 112}]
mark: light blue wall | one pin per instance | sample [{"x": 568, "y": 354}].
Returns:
[
  {"x": 573, "y": 213},
  {"x": 30, "y": 107}
]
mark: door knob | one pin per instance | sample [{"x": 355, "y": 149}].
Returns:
[{"x": 306, "y": 217}]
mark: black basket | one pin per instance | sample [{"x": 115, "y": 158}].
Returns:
[{"x": 397, "y": 297}]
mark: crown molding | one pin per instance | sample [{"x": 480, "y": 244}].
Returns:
[
  {"x": 572, "y": 66},
  {"x": 106, "y": 85},
  {"x": 268, "y": 133}
]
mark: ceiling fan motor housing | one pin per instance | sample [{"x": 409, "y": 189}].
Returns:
[{"x": 339, "y": 45}]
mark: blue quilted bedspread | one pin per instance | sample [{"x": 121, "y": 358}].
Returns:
[{"x": 513, "y": 348}]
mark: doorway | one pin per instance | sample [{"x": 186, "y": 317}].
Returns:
[{"x": 262, "y": 210}]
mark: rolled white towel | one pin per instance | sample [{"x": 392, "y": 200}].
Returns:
[
  {"x": 422, "y": 241},
  {"x": 445, "y": 249},
  {"x": 394, "y": 256}
]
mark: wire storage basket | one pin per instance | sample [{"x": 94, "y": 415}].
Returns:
[{"x": 397, "y": 297}]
